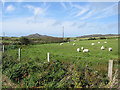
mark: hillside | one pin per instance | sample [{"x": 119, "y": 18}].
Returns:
[
  {"x": 97, "y": 35},
  {"x": 37, "y": 35}
]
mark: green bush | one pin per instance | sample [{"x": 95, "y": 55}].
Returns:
[
  {"x": 92, "y": 38},
  {"x": 25, "y": 41},
  {"x": 102, "y": 37}
]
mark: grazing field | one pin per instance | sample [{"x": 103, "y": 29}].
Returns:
[{"x": 65, "y": 64}]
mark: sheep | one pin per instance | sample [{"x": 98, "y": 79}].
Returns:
[
  {"x": 85, "y": 50},
  {"x": 73, "y": 44},
  {"x": 102, "y": 48},
  {"x": 105, "y": 42},
  {"x": 98, "y": 42},
  {"x": 93, "y": 44},
  {"x": 68, "y": 42},
  {"x": 61, "y": 43},
  {"x": 82, "y": 48},
  {"x": 110, "y": 49},
  {"x": 78, "y": 49}
]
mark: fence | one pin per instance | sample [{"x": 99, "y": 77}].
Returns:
[{"x": 83, "y": 60}]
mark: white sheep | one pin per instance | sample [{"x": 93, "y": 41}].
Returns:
[
  {"x": 102, "y": 48},
  {"x": 78, "y": 49},
  {"x": 93, "y": 44},
  {"x": 61, "y": 43},
  {"x": 105, "y": 42},
  {"x": 68, "y": 42},
  {"x": 98, "y": 42},
  {"x": 82, "y": 48},
  {"x": 110, "y": 49},
  {"x": 85, "y": 50},
  {"x": 73, "y": 44}
]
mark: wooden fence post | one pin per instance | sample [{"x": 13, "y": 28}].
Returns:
[
  {"x": 3, "y": 49},
  {"x": 110, "y": 67},
  {"x": 19, "y": 54},
  {"x": 48, "y": 56}
]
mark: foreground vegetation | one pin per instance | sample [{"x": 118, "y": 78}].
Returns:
[{"x": 67, "y": 68}]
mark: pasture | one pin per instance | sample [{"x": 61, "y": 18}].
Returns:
[{"x": 96, "y": 59}]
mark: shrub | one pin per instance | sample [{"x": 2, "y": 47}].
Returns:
[
  {"x": 25, "y": 41},
  {"x": 102, "y": 37},
  {"x": 92, "y": 38}
]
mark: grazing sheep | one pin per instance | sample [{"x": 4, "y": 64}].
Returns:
[
  {"x": 93, "y": 44},
  {"x": 105, "y": 42},
  {"x": 110, "y": 49},
  {"x": 61, "y": 43},
  {"x": 82, "y": 48},
  {"x": 85, "y": 50},
  {"x": 102, "y": 48},
  {"x": 98, "y": 42},
  {"x": 68, "y": 42},
  {"x": 73, "y": 44},
  {"x": 78, "y": 49}
]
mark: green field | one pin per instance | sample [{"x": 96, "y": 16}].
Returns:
[{"x": 96, "y": 59}]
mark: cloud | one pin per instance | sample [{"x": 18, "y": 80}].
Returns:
[
  {"x": 63, "y": 5},
  {"x": 109, "y": 11},
  {"x": 57, "y": 23},
  {"x": 82, "y": 12},
  {"x": 45, "y": 26},
  {"x": 94, "y": 10},
  {"x": 84, "y": 24},
  {"x": 78, "y": 10},
  {"x": 10, "y": 8},
  {"x": 3, "y": 1},
  {"x": 89, "y": 14},
  {"x": 36, "y": 10}
]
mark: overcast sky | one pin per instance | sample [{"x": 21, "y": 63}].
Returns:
[{"x": 48, "y": 18}]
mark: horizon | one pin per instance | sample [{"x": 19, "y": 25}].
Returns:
[
  {"x": 78, "y": 18},
  {"x": 62, "y": 37}
]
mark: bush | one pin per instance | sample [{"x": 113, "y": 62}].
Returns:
[
  {"x": 91, "y": 38},
  {"x": 25, "y": 41},
  {"x": 102, "y": 37}
]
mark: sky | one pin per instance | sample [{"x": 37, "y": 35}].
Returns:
[{"x": 48, "y": 18}]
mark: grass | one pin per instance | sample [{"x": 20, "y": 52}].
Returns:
[
  {"x": 68, "y": 52},
  {"x": 96, "y": 59}
]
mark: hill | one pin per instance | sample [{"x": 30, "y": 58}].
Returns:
[
  {"x": 97, "y": 35},
  {"x": 37, "y": 35}
]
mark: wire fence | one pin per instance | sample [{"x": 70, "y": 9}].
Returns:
[{"x": 42, "y": 55}]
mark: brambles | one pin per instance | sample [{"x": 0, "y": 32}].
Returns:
[{"x": 50, "y": 75}]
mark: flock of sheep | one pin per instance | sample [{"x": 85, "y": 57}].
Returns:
[{"x": 87, "y": 50}]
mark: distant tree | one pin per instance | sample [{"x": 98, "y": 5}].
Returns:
[
  {"x": 25, "y": 41},
  {"x": 102, "y": 37},
  {"x": 67, "y": 39}
]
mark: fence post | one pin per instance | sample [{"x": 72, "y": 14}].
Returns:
[
  {"x": 110, "y": 67},
  {"x": 19, "y": 54},
  {"x": 48, "y": 56},
  {"x": 3, "y": 49}
]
